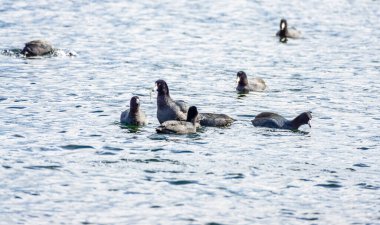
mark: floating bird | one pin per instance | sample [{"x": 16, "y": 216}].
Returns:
[
  {"x": 133, "y": 115},
  {"x": 37, "y": 48},
  {"x": 286, "y": 32},
  {"x": 215, "y": 120},
  {"x": 273, "y": 120},
  {"x": 167, "y": 108},
  {"x": 244, "y": 86},
  {"x": 181, "y": 127}
]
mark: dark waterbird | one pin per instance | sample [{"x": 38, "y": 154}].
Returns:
[
  {"x": 245, "y": 86},
  {"x": 181, "y": 127},
  {"x": 167, "y": 108},
  {"x": 286, "y": 32},
  {"x": 273, "y": 120},
  {"x": 37, "y": 48},
  {"x": 214, "y": 120},
  {"x": 133, "y": 116}
]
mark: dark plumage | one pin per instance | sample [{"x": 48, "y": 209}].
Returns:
[
  {"x": 215, "y": 120},
  {"x": 181, "y": 127},
  {"x": 245, "y": 86},
  {"x": 167, "y": 108},
  {"x": 273, "y": 120},
  {"x": 133, "y": 115},
  {"x": 37, "y": 48},
  {"x": 286, "y": 32}
]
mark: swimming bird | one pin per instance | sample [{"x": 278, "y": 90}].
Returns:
[
  {"x": 245, "y": 86},
  {"x": 181, "y": 127},
  {"x": 273, "y": 120},
  {"x": 215, "y": 120},
  {"x": 167, "y": 108},
  {"x": 286, "y": 32},
  {"x": 133, "y": 115},
  {"x": 37, "y": 48}
]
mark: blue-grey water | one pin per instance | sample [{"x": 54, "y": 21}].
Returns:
[{"x": 65, "y": 159}]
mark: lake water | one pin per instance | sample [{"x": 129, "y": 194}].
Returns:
[{"x": 65, "y": 159}]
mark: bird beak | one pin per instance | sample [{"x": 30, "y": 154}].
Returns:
[
  {"x": 152, "y": 90},
  {"x": 309, "y": 123}
]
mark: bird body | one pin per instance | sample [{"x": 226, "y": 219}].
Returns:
[
  {"x": 133, "y": 115},
  {"x": 215, "y": 120},
  {"x": 286, "y": 32},
  {"x": 181, "y": 127},
  {"x": 245, "y": 86},
  {"x": 274, "y": 120},
  {"x": 37, "y": 48},
  {"x": 176, "y": 127},
  {"x": 167, "y": 108}
]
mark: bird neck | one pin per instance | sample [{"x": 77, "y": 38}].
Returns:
[
  {"x": 163, "y": 99},
  {"x": 296, "y": 123},
  {"x": 243, "y": 81},
  {"x": 191, "y": 117},
  {"x": 134, "y": 110},
  {"x": 283, "y": 32}
]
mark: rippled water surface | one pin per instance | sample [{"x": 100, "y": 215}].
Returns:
[{"x": 64, "y": 158}]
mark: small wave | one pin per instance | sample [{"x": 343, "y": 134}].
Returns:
[
  {"x": 106, "y": 161},
  {"x": 229, "y": 176},
  {"x": 182, "y": 182},
  {"x": 360, "y": 165},
  {"x": 158, "y": 137},
  {"x": 181, "y": 151},
  {"x": 105, "y": 153},
  {"x": 368, "y": 186},
  {"x": 16, "y": 107},
  {"x": 50, "y": 167},
  {"x": 152, "y": 160},
  {"x": 330, "y": 185},
  {"x": 308, "y": 219},
  {"x": 63, "y": 52},
  {"x": 113, "y": 148},
  {"x": 363, "y": 148},
  {"x": 97, "y": 111},
  {"x": 75, "y": 147},
  {"x": 56, "y": 53},
  {"x": 157, "y": 149},
  {"x": 11, "y": 52}
]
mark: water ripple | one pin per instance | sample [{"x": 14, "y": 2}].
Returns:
[
  {"x": 66, "y": 157},
  {"x": 75, "y": 147}
]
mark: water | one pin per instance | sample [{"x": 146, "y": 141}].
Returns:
[{"x": 65, "y": 159}]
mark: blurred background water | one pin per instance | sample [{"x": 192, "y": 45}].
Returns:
[{"x": 65, "y": 158}]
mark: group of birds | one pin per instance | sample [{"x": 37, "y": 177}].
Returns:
[{"x": 175, "y": 117}]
